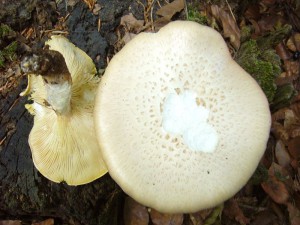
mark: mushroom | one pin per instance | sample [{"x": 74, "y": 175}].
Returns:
[
  {"x": 181, "y": 126},
  {"x": 63, "y": 141}
]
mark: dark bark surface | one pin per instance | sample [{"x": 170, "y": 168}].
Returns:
[{"x": 24, "y": 192}]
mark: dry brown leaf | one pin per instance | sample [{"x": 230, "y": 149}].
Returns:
[
  {"x": 199, "y": 218},
  {"x": 294, "y": 214},
  {"x": 252, "y": 12},
  {"x": 131, "y": 24},
  {"x": 265, "y": 218},
  {"x": 281, "y": 154},
  {"x": 269, "y": 21},
  {"x": 296, "y": 196},
  {"x": 158, "y": 218},
  {"x": 90, "y": 3},
  {"x": 279, "y": 115},
  {"x": 72, "y": 3},
  {"x": 284, "y": 78},
  {"x": 282, "y": 51},
  {"x": 290, "y": 119},
  {"x": 128, "y": 37},
  {"x": 97, "y": 9},
  {"x": 160, "y": 22},
  {"x": 169, "y": 10},
  {"x": 296, "y": 106},
  {"x": 293, "y": 43},
  {"x": 135, "y": 213},
  {"x": 233, "y": 211},
  {"x": 291, "y": 67},
  {"x": 280, "y": 132},
  {"x": 45, "y": 222},
  {"x": 294, "y": 147},
  {"x": 268, "y": 2},
  {"x": 274, "y": 187},
  {"x": 230, "y": 27},
  {"x": 10, "y": 222}
]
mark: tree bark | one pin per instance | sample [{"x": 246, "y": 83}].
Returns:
[{"x": 25, "y": 193}]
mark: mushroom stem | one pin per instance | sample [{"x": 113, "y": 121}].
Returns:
[
  {"x": 59, "y": 95},
  {"x": 52, "y": 67}
]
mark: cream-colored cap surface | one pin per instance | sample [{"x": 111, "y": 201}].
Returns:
[
  {"x": 64, "y": 147},
  {"x": 155, "y": 166}
]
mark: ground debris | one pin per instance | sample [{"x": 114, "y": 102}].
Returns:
[{"x": 229, "y": 24}]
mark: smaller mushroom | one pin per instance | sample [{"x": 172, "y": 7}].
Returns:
[
  {"x": 62, "y": 85},
  {"x": 181, "y": 126}
]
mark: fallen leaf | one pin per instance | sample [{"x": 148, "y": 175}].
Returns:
[
  {"x": 233, "y": 211},
  {"x": 279, "y": 211},
  {"x": 230, "y": 27},
  {"x": 131, "y": 24},
  {"x": 279, "y": 115},
  {"x": 90, "y": 3},
  {"x": 160, "y": 22},
  {"x": 281, "y": 154},
  {"x": 265, "y": 217},
  {"x": 72, "y": 3},
  {"x": 10, "y": 222},
  {"x": 284, "y": 78},
  {"x": 291, "y": 67},
  {"x": 158, "y": 218},
  {"x": 135, "y": 213},
  {"x": 280, "y": 132},
  {"x": 294, "y": 214},
  {"x": 268, "y": 2},
  {"x": 97, "y": 9},
  {"x": 282, "y": 51},
  {"x": 274, "y": 187},
  {"x": 294, "y": 147},
  {"x": 199, "y": 218},
  {"x": 252, "y": 12},
  {"x": 293, "y": 43},
  {"x": 128, "y": 37},
  {"x": 169, "y": 10},
  {"x": 290, "y": 119},
  {"x": 268, "y": 22},
  {"x": 45, "y": 222}
]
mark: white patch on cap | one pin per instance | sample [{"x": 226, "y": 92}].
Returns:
[{"x": 181, "y": 115}]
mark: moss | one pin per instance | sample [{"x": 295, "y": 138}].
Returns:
[
  {"x": 2, "y": 59},
  {"x": 270, "y": 55},
  {"x": 260, "y": 175},
  {"x": 4, "y": 30},
  {"x": 273, "y": 38},
  {"x": 245, "y": 33},
  {"x": 215, "y": 216},
  {"x": 8, "y": 53},
  {"x": 283, "y": 96},
  {"x": 195, "y": 15},
  {"x": 264, "y": 66},
  {"x": 7, "y": 48}
]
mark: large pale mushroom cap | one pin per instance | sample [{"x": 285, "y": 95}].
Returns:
[
  {"x": 181, "y": 126},
  {"x": 64, "y": 147}
]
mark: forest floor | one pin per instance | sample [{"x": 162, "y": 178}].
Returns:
[{"x": 263, "y": 37}]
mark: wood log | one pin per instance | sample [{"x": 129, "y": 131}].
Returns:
[{"x": 24, "y": 193}]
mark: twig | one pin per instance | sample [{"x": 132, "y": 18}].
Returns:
[
  {"x": 230, "y": 10},
  {"x": 186, "y": 10},
  {"x": 151, "y": 14}
]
